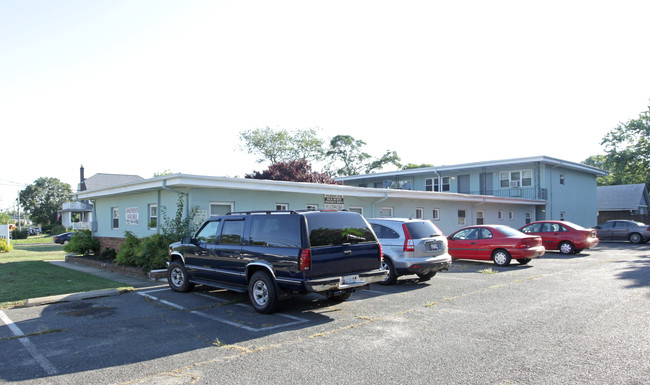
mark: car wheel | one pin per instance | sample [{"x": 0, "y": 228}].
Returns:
[
  {"x": 566, "y": 247},
  {"x": 524, "y": 261},
  {"x": 636, "y": 238},
  {"x": 427, "y": 276},
  {"x": 178, "y": 278},
  {"x": 501, "y": 257},
  {"x": 261, "y": 291},
  {"x": 340, "y": 297},
  {"x": 391, "y": 278},
  {"x": 66, "y": 242}
]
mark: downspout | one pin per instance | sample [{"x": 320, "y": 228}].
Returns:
[
  {"x": 372, "y": 206},
  {"x": 187, "y": 196}
]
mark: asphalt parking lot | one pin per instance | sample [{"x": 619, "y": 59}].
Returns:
[{"x": 579, "y": 319}]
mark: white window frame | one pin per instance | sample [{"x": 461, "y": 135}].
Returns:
[
  {"x": 445, "y": 184},
  {"x": 282, "y": 206},
  {"x": 506, "y": 179},
  {"x": 419, "y": 213},
  {"x": 356, "y": 209},
  {"x": 428, "y": 184},
  {"x": 115, "y": 216},
  {"x": 385, "y": 212},
  {"x": 562, "y": 178},
  {"x": 436, "y": 214},
  {"x": 480, "y": 214},
  {"x": 511, "y": 215},
  {"x": 462, "y": 220},
  {"x": 231, "y": 204},
  {"x": 500, "y": 215},
  {"x": 153, "y": 207},
  {"x": 528, "y": 217},
  {"x": 312, "y": 207}
]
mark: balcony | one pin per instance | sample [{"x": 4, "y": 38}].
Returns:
[{"x": 76, "y": 207}]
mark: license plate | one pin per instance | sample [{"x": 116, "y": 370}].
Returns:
[
  {"x": 434, "y": 246},
  {"x": 349, "y": 280}
]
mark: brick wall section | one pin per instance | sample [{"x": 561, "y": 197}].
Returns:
[{"x": 113, "y": 243}]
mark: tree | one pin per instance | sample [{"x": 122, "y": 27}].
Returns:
[
  {"x": 348, "y": 151},
  {"x": 282, "y": 145},
  {"x": 412, "y": 166},
  {"x": 627, "y": 149},
  {"x": 43, "y": 199},
  {"x": 294, "y": 171}
]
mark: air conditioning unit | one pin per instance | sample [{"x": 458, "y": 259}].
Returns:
[{"x": 514, "y": 183}]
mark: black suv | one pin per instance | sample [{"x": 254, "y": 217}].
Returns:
[{"x": 273, "y": 254}]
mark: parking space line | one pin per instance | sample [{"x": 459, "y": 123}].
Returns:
[
  {"x": 295, "y": 320},
  {"x": 42, "y": 361}
]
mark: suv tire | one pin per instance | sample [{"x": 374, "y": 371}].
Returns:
[
  {"x": 427, "y": 276},
  {"x": 262, "y": 293},
  {"x": 178, "y": 278},
  {"x": 391, "y": 278}
]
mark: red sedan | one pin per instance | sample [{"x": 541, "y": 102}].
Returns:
[
  {"x": 565, "y": 236},
  {"x": 498, "y": 243}
]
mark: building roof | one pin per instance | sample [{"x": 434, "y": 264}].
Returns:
[
  {"x": 622, "y": 197},
  {"x": 100, "y": 180},
  {"x": 494, "y": 163},
  {"x": 183, "y": 183}
]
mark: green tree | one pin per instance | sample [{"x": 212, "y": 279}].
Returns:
[
  {"x": 43, "y": 199},
  {"x": 348, "y": 152},
  {"x": 283, "y": 145},
  {"x": 5, "y": 218},
  {"x": 412, "y": 166},
  {"x": 627, "y": 152}
]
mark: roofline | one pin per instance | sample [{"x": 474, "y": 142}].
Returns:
[
  {"x": 187, "y": 182},
  {"x": 436, "y": 169}
]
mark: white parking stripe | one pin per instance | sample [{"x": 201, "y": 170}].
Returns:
[
  {"x": 42, "y": 361},
  {"x": 296, "y": 320}
]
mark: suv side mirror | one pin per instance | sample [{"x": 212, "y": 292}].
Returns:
[{"x": 186, "y": 240}]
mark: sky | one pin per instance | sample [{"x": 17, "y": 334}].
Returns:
[{"x": 150, "y": 86}]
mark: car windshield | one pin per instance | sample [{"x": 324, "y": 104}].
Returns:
[{"x": 424, "y": 229}]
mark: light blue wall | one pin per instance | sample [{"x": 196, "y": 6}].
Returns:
[{"x": 244, "y": 200}]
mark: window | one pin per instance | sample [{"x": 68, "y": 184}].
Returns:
[
  {"x": 419, "y": 213},
  {"x": 445, "y": 184},
  {"x": 561, "y": 178},
  {"x": 461, "y": 217},
  {"x": 312, "y": 207},
  {"x": 356, "y": 209},
  {"x": 466, "y": 234},
  {"x": 115, "y": 215},
  {"x": 384, "y": 232},
  {"x": 386, "y": 212},
  {"x": 153, "y": 217},
  {"x": 220, "y": 208},
  {"x": 528, "y": 216},
  {"x": 275, "y": 230},
  {"x": 485, "y": 233},
  {"x": 428, "y": 184},
  {"x": 562, "y": 213},
  {"x": 515, "y": 179},
  {"x": 480, "y": 217},
  {"x": 232, "y": 232},
  {"x": 500, "y": 215},
  {"x": 282, "y": 206},
  {"x": 436, "y": 214},
  {"x": 208, "y": 233},
  {"x": 511, "y": 215}
]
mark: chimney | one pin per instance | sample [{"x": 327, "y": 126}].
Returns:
[{"x": 82, "y": 179}]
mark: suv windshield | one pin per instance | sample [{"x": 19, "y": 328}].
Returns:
[
  {"x": 424, "y": 229},
  {"x": 337, "y": 228}
]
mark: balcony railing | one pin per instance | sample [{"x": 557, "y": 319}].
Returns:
[
  {"x": 524, "y": 193},
  {"x": 76, "y": 206}
]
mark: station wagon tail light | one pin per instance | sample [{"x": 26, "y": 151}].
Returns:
[
  {"x": 305, "y": 259},
  {"x": 381, "y": 254},
  {"x": 409, "y": 244}
]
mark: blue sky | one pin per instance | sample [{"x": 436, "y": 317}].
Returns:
[{"x": 144, "y": 86}]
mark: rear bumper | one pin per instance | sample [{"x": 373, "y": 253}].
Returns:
[
  {"x": 531, "y": 252},
  {"x": 587, "y": 243},
  {"x": 422, "y": 265},
  {"x": 343, "y": 282}
]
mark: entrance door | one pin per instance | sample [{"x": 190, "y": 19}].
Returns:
[
  {"x": 463, "y": 184},
  {"x": 485, "y": 180}
]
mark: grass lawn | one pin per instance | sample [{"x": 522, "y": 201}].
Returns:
[
  {"x": 32, "y": 239},
  {"x": 25, "y": 274}
]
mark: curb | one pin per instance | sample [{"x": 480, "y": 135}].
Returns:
[{"x": 71, "y": 297}]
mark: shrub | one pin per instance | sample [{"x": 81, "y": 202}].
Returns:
[
  {"x": 130, "y": 249},
  {"x": 108, "y": 253},
  {"x": 19, "y": 234},
  {"x": 4, "y": 247},
  {"x": 54, "y": 229},
  {"x": 154, "y": 252},
  {"x": 82, "y": 242}
]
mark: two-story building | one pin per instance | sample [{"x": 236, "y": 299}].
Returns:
[
  {"x": 511, "y": 193},
  {"x": 565, "y": 190}
]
